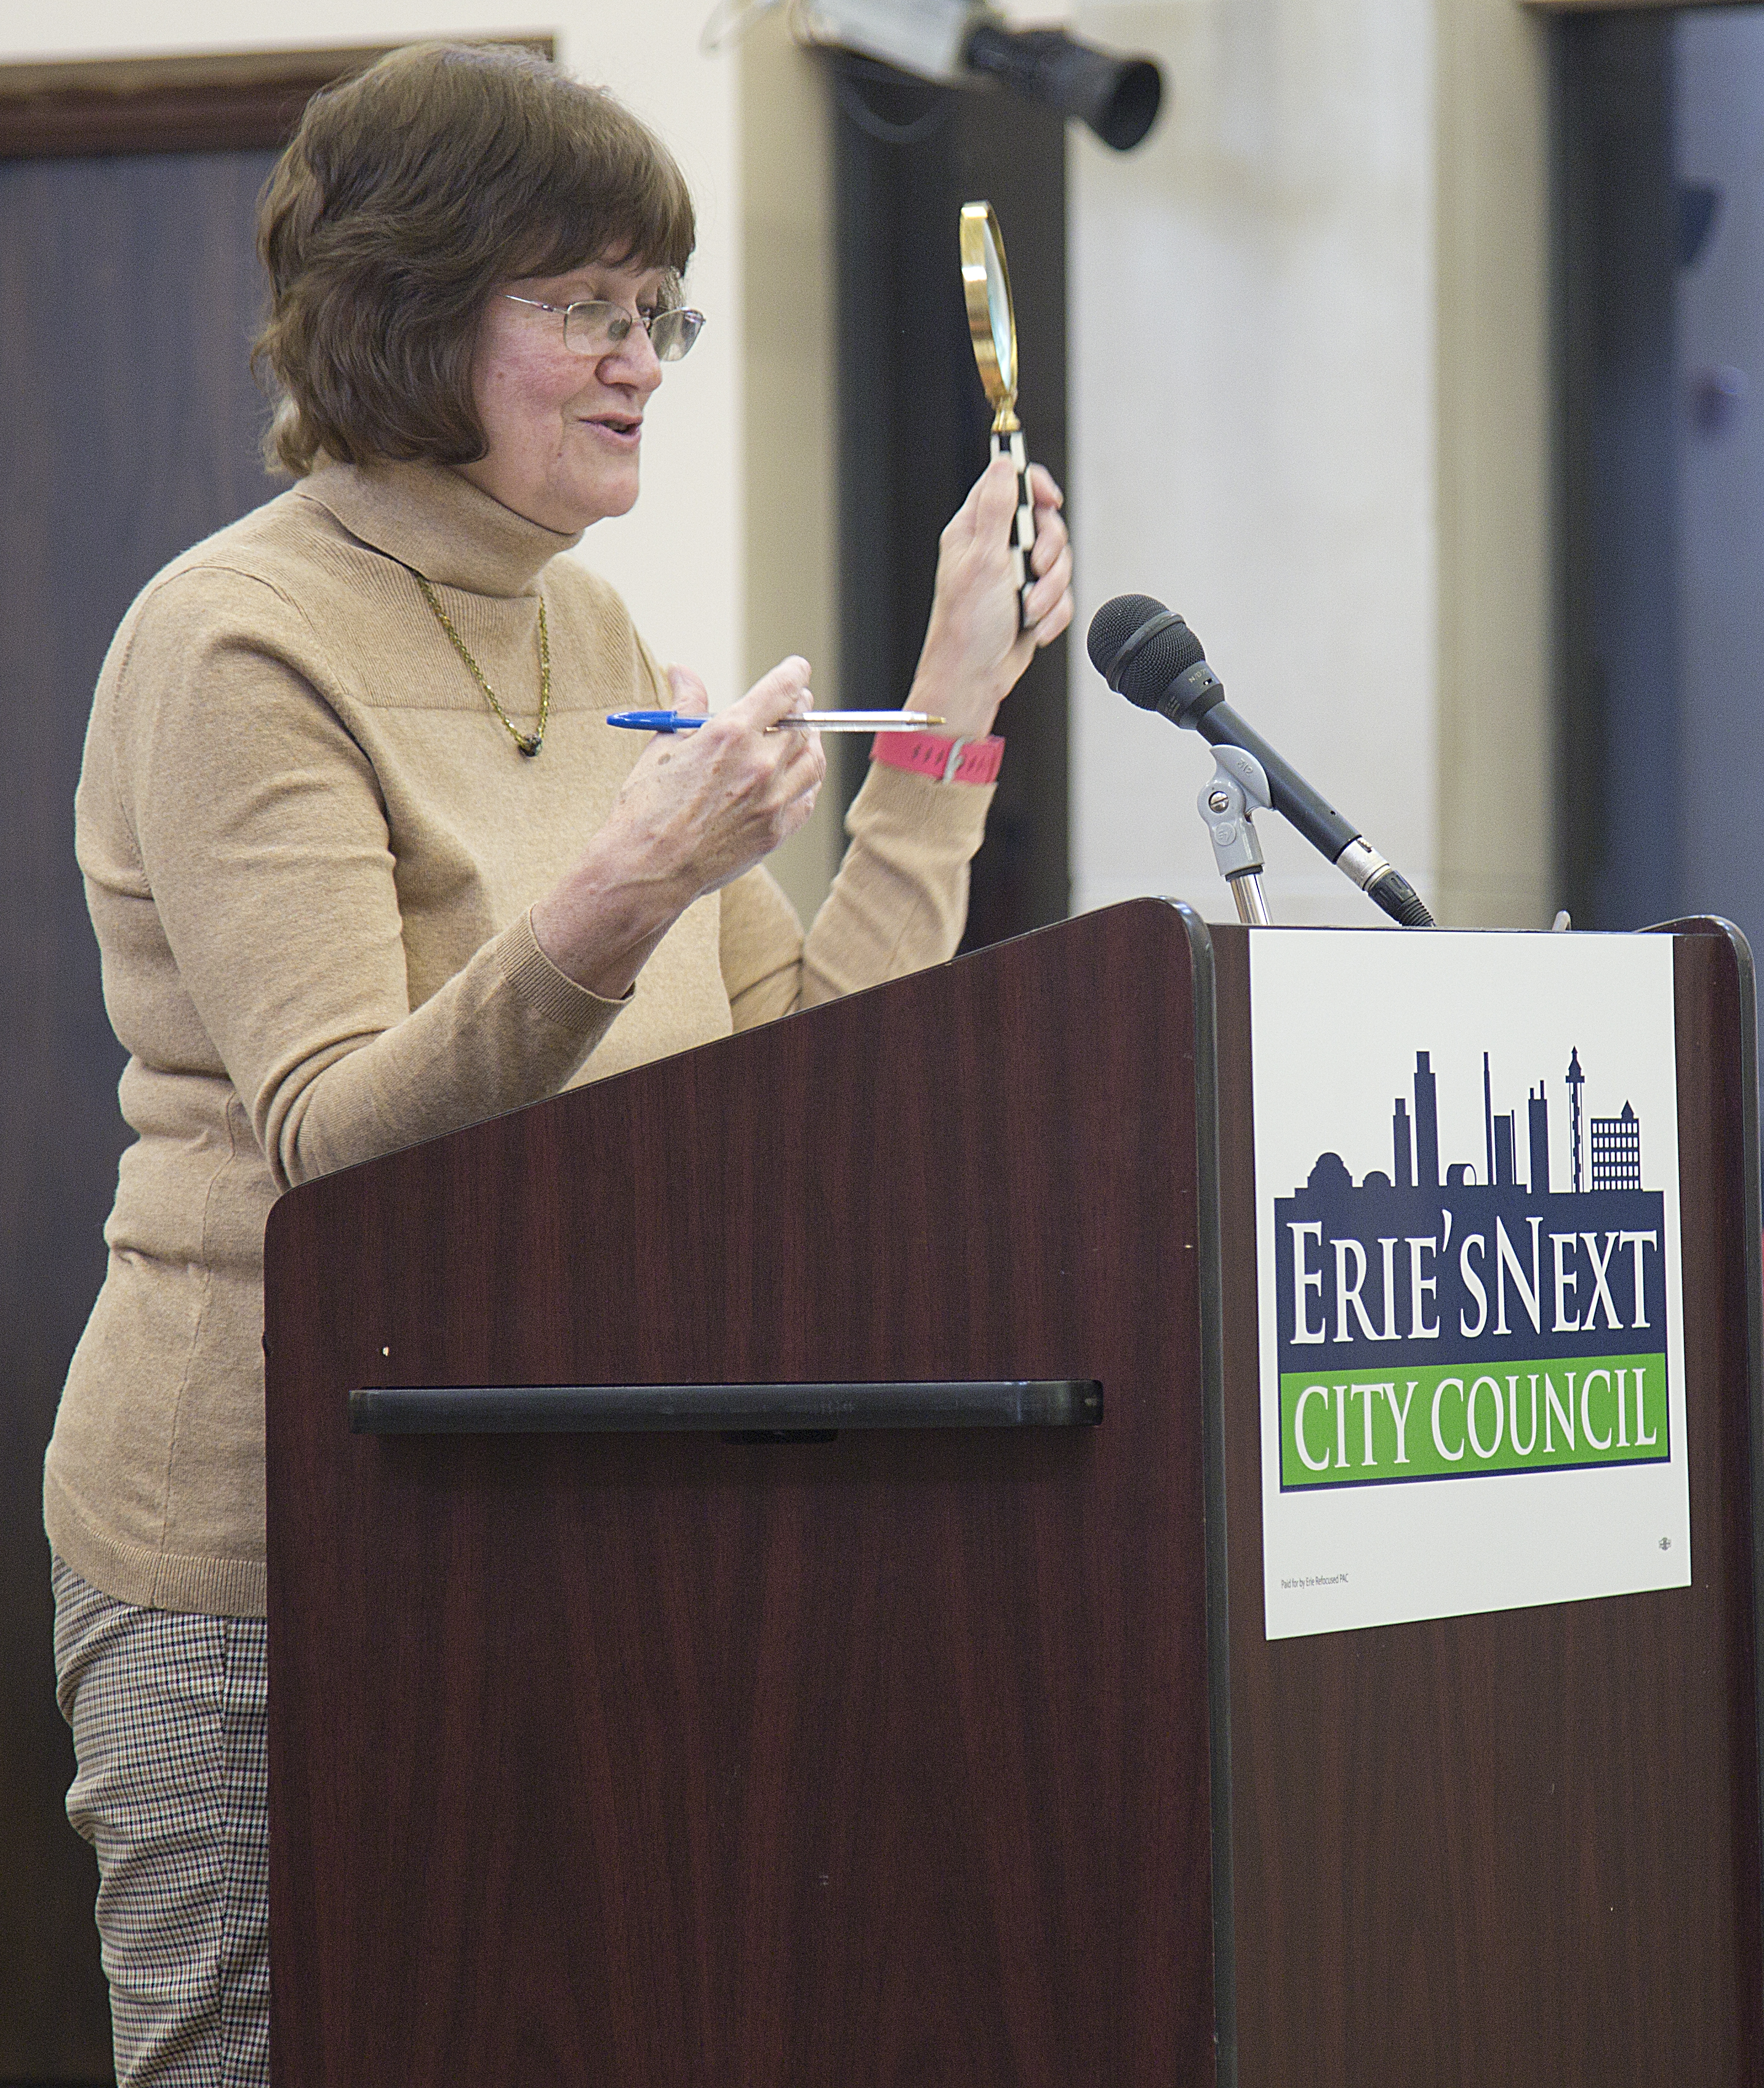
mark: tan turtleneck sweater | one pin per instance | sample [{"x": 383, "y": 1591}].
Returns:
[{"x": 309, "y": 851}]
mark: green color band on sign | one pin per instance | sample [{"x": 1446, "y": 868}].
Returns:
[{"x": 1461, "y": 1420}]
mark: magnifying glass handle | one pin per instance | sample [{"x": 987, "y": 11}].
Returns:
[{"x": 1023, "y": 528}]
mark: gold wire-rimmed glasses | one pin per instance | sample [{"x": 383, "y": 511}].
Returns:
[{"x": 595, "y": 327}]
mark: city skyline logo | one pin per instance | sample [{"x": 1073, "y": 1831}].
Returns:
[{"x": 1439, "y": 1323}]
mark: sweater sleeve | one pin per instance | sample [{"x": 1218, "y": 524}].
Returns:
[
  {"x": 264, "y": 850},
  {"x": 898, "y": 902}
]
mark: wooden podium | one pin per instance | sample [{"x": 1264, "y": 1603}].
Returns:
[{"x": 809, "y": 1750}]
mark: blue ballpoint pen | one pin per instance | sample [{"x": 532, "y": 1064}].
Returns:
[{"x": 823, "y": 720}]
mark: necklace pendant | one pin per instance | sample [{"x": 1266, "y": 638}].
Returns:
[{"x": 528, "y": 743}]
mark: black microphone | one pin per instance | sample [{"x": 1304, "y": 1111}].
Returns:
[{"x": 1149, "y": 654}]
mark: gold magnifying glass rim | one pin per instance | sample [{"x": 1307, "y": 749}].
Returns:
[{"x": 980, "y": 221}]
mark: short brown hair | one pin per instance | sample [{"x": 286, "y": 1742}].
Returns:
[{"x": 408, "y": 192}]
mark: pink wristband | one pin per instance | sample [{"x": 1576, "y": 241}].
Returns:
[{"x": 943, "y": 760}]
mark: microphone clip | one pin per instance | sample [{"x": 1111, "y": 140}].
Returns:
[{"x": 1228, "y": 804}]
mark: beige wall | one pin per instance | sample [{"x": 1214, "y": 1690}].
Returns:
[
  {"x": 790, "y": 406},
  {"x": 1497, "y": 750},
  {"x": 1310, "y": 340},
  {"x": 1254, "y": 344}
]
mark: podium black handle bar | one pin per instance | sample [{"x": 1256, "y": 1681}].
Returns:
[{"x": 515, "y": 1410}]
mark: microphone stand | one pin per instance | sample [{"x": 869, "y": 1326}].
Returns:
[{"x": 1228, "y": 804}]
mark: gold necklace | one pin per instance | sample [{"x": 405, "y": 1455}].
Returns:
[{"x": 528, "y": 743}]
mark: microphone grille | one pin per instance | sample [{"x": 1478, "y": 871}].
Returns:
[
  {"x": 1114, "y": 623},
  {"x": 1172, "y": 651}
]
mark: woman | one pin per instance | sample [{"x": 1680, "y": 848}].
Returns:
[{"x": 366, "y": 863}]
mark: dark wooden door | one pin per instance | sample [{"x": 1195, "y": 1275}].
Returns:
[
  {"x": 913, "y": 419},
  {"x": 128, "y": 426}
]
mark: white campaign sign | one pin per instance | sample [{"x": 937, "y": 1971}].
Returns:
[{"x": 1468, "y": 1254}]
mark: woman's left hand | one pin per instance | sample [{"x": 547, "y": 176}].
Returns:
[{"x": 974, "y": 648}]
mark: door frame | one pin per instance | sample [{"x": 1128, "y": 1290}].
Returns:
[{"x": 214, "y": 102}]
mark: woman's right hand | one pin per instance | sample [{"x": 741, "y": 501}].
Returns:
[{"x": 698, "y": 809}]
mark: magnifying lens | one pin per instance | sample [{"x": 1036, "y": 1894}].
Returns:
[{"x": 992, "y": 326}]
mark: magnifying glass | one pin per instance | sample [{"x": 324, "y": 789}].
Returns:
[{"x": 992, "y": 326}]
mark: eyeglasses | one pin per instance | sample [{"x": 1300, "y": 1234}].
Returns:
[{"x": 597, "y": 328}]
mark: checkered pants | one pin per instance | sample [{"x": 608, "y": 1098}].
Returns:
[{"x": 169, "y": 1715}]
